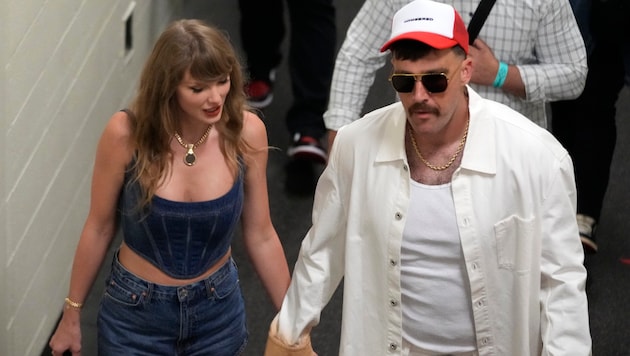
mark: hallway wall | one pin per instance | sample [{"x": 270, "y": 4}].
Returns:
[{"x": 67, "y": 65}]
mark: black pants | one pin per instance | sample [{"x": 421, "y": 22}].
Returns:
[
  {"x": 586, "y": 126},
  {"x": 312, "y": 49}
]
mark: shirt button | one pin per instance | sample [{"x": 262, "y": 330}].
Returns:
[
  {"x": 480, "y": 304},
  {"x": 393, "y": 303},
  {"x": 393, "y": 347},
  {"x": 398, "y": 216},
  {"x": 485, "y": 341},
  {"x": 405, "y": 167},
  {"x": 392, "y": 262},
  {"x": 474, "y": 266}
]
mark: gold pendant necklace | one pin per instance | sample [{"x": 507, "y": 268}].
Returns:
[
  {"x": 190, "y": 158},
  {"x": 450, "y": 161}
]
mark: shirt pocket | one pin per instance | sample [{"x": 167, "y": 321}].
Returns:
[{"x": 514, "y": 243}]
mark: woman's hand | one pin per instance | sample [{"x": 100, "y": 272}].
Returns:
[{"x": 67, "y": 337}]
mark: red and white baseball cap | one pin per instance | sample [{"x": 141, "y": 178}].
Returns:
[{"x": 436, "y": 24}]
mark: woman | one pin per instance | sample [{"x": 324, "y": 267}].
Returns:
[{"x": 175, "y": 173}]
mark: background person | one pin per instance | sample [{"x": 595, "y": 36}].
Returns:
[
  {"x": 586, "y": 126},
  {"x": 312, "y": 46},
  {"x": 538, "y": 41}
]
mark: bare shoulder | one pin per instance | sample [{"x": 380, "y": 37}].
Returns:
[
  {"x": 254, "y": 130},
  {"x": 116, "y": 140},
  {"x": 119, "y": 126}
]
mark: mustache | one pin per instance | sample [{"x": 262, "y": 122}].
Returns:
[{"x": 423, "y": 106}]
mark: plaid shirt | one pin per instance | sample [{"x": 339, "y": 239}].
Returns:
[{"x": 540, "y": 37}]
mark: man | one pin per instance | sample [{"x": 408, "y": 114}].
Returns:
[
  {"x": 539, "y": 41},
  {"x": 451, "y": 219}
]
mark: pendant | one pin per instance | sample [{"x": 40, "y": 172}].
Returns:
[{"x": 190, "y": 158}]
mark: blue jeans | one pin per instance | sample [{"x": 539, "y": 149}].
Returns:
[{"x": 137, "y": 317}]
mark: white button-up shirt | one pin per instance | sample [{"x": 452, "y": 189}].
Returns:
[
  {"x": 540, "y": 37},
  {"x": 515, "y": 201}
]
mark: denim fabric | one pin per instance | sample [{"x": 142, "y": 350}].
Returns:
[
  {"x": 182, "y": 239},
  {"x": 141, "y": 318}
]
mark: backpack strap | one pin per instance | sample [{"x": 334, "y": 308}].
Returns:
[{"x": 478, "y": 19}]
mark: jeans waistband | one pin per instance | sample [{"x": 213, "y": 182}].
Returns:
[{"x": 199, "y": 289}]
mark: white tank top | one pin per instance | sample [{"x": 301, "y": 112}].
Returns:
[{"x": 436, "y": 302}]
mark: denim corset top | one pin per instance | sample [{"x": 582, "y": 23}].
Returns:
[{"x": 182, "y": 239}]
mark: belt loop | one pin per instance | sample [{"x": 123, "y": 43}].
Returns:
[{"x": 149, "y": 291}]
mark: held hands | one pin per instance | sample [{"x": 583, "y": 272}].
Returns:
[
  {"x": 278, "y": 347},
  {"x": 67, "y": 337}
]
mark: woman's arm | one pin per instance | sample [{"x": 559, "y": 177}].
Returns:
[
  {"x": 112, "y": 155},
  {"x": 261, "y": 239}
]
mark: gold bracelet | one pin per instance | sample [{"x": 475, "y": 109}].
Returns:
[{"x": 73, "y": 304}]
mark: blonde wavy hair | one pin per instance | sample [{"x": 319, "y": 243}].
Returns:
[{"x": 207, "y": 53}]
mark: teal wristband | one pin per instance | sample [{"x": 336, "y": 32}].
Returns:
[{"x": 501, "y": 75}]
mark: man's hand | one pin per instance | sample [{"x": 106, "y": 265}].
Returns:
[{"x": 485, "y": 65}]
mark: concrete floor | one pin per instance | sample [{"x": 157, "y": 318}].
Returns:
[{"x": 609, "y": 288}]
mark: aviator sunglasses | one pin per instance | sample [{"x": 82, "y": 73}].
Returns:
[{"x": 432, "y": 82}]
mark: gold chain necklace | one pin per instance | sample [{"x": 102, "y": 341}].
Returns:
[
  {"x": 450, "y": 161},
  {"x": 190, "y": 158}
]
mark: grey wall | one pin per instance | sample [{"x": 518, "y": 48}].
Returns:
[{"x": 65, "y": 70}]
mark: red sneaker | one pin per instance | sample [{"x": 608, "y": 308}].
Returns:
[
  {"x": 307, "y": 148},
  {"x": 259, "y": 93}
]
